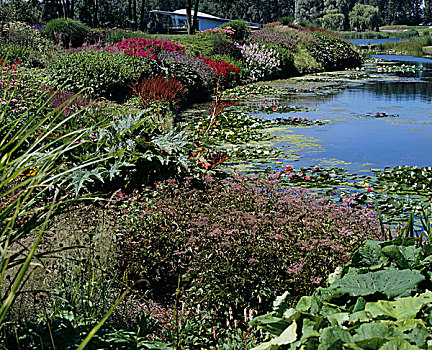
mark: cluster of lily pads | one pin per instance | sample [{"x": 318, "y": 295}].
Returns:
[
  {"x": 252, "y": 90},
  {"x": 303, "y": 121},
  {"x": 404, "y": 68},
  {"x": 396, "y": 191},
  {"x": 270, "y": 108},
  {"x": 382, "y": 115}
]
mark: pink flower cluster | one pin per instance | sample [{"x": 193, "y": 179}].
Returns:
[{"x": 147, "y": 48}]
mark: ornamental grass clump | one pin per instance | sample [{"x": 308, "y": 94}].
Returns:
[{"x": 239, "y": 242}]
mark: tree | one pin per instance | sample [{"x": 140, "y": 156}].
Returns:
[
  {"x": 308, "y": 10},
  {"x": 192, "y": 22},
  {"x": 333, "y": 20},
  {"x": 364, "y": 17}
]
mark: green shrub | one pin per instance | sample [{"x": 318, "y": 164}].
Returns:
[
  {"x": 380, "y": 300},
  {"x": 237, "y": 242},
  {"x": 333, "y": 52},
  {"x": 304, "y": 63},
  {"x": 103, "y": 73},
  {"x": 333, "y": 20},
  {"x": 286, "y": 20},
  {"x": 24, "y": 35},
  {"x": 22, "y": 54},
  {"x": 241, "y": 30},
  {"x": 69, "y": 31}
]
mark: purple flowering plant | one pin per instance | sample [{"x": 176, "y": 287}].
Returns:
[{"x": 243, "y": 239}]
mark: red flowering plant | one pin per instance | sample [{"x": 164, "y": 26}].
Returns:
[
  {"x": 141, "y": 47},
  {"x": 226, "y": 72}
]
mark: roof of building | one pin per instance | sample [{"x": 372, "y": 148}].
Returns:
[{"x": 182, "y": 12}]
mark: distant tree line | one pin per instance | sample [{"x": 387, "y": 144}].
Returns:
[{"x": 135, "y": 14}]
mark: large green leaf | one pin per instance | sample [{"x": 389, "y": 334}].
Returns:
[
  {"x": 404, "y": 257},
  {"x": 372, "y": 335},
  {"x": 288, "y": 336},
  {"x": 369, "y": 256},
  {"x": 398, "y": 344},
  {"x": 333, "y": 338},
  {"x": 390, "y": 282},
  {"x": 400, "y": 309}
]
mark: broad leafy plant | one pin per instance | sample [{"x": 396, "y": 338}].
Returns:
[{"x": 380, "y": 300}]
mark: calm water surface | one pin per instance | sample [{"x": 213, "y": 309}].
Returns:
[{"x": 358, "y": 142}]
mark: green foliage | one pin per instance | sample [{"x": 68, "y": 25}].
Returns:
[
  {"x": 305, "y": 63},
  {"x": 68, "y": 31},
  {"x": 286, "y": 20},
  {"x": 241, "y": 31},
  {"x": 333, "y": 20},
  {"x": 333, "y": 52},
  {"x": 363, "y": 17},
  {"x": 22, "y": 11},
  {"x": 103, "y": 73},
  {"x": 381, "y": 299}
]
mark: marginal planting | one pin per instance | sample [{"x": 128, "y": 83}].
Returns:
[{"x": 237, "y": 242}]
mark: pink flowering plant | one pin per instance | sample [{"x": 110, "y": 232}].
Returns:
[
  {"x": 262, "y": 61},
  {"x": 141, "y": 47},
  {"x": 242, "y": 240}
]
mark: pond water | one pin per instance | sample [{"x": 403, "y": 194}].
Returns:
[
  {"x": 374, "y": 41},
  {"x": 355, "y": 139}
]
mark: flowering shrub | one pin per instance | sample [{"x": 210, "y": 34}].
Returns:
[
  {"x": 19, "y": 92},
  {"x": 22, "y": 34},
  {"x": 240, "y": 29},
  {"x": 147, "y": 48},
  {"x": 193, "y": 73},
  {"x": 271, "y": 37},
  {"x": 227, "y": 49},
  {"x": 242, "y": 240},
  {"x": 263, "y": 61},
  {"x": 226, "y": 31}
]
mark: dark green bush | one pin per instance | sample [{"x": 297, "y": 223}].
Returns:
[
  {"x": 333, "y": 52},
  {"x": 243, "y": 240},
  {"x": 70, "y": 32},
  {"x": 286, "y": 20},
  {"x": 241, "y": 30},
  {"x": 103, "y": 73}
]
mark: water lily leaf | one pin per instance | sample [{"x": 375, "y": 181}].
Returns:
[
  {"x": 390, "y": 282},
  {"x": 333, "y": 338},
  {"x": 398, "y": 344},
  {"x": 400, "y": 309}
]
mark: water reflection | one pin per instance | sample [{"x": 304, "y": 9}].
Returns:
[{"x": 357, "y": 141}]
